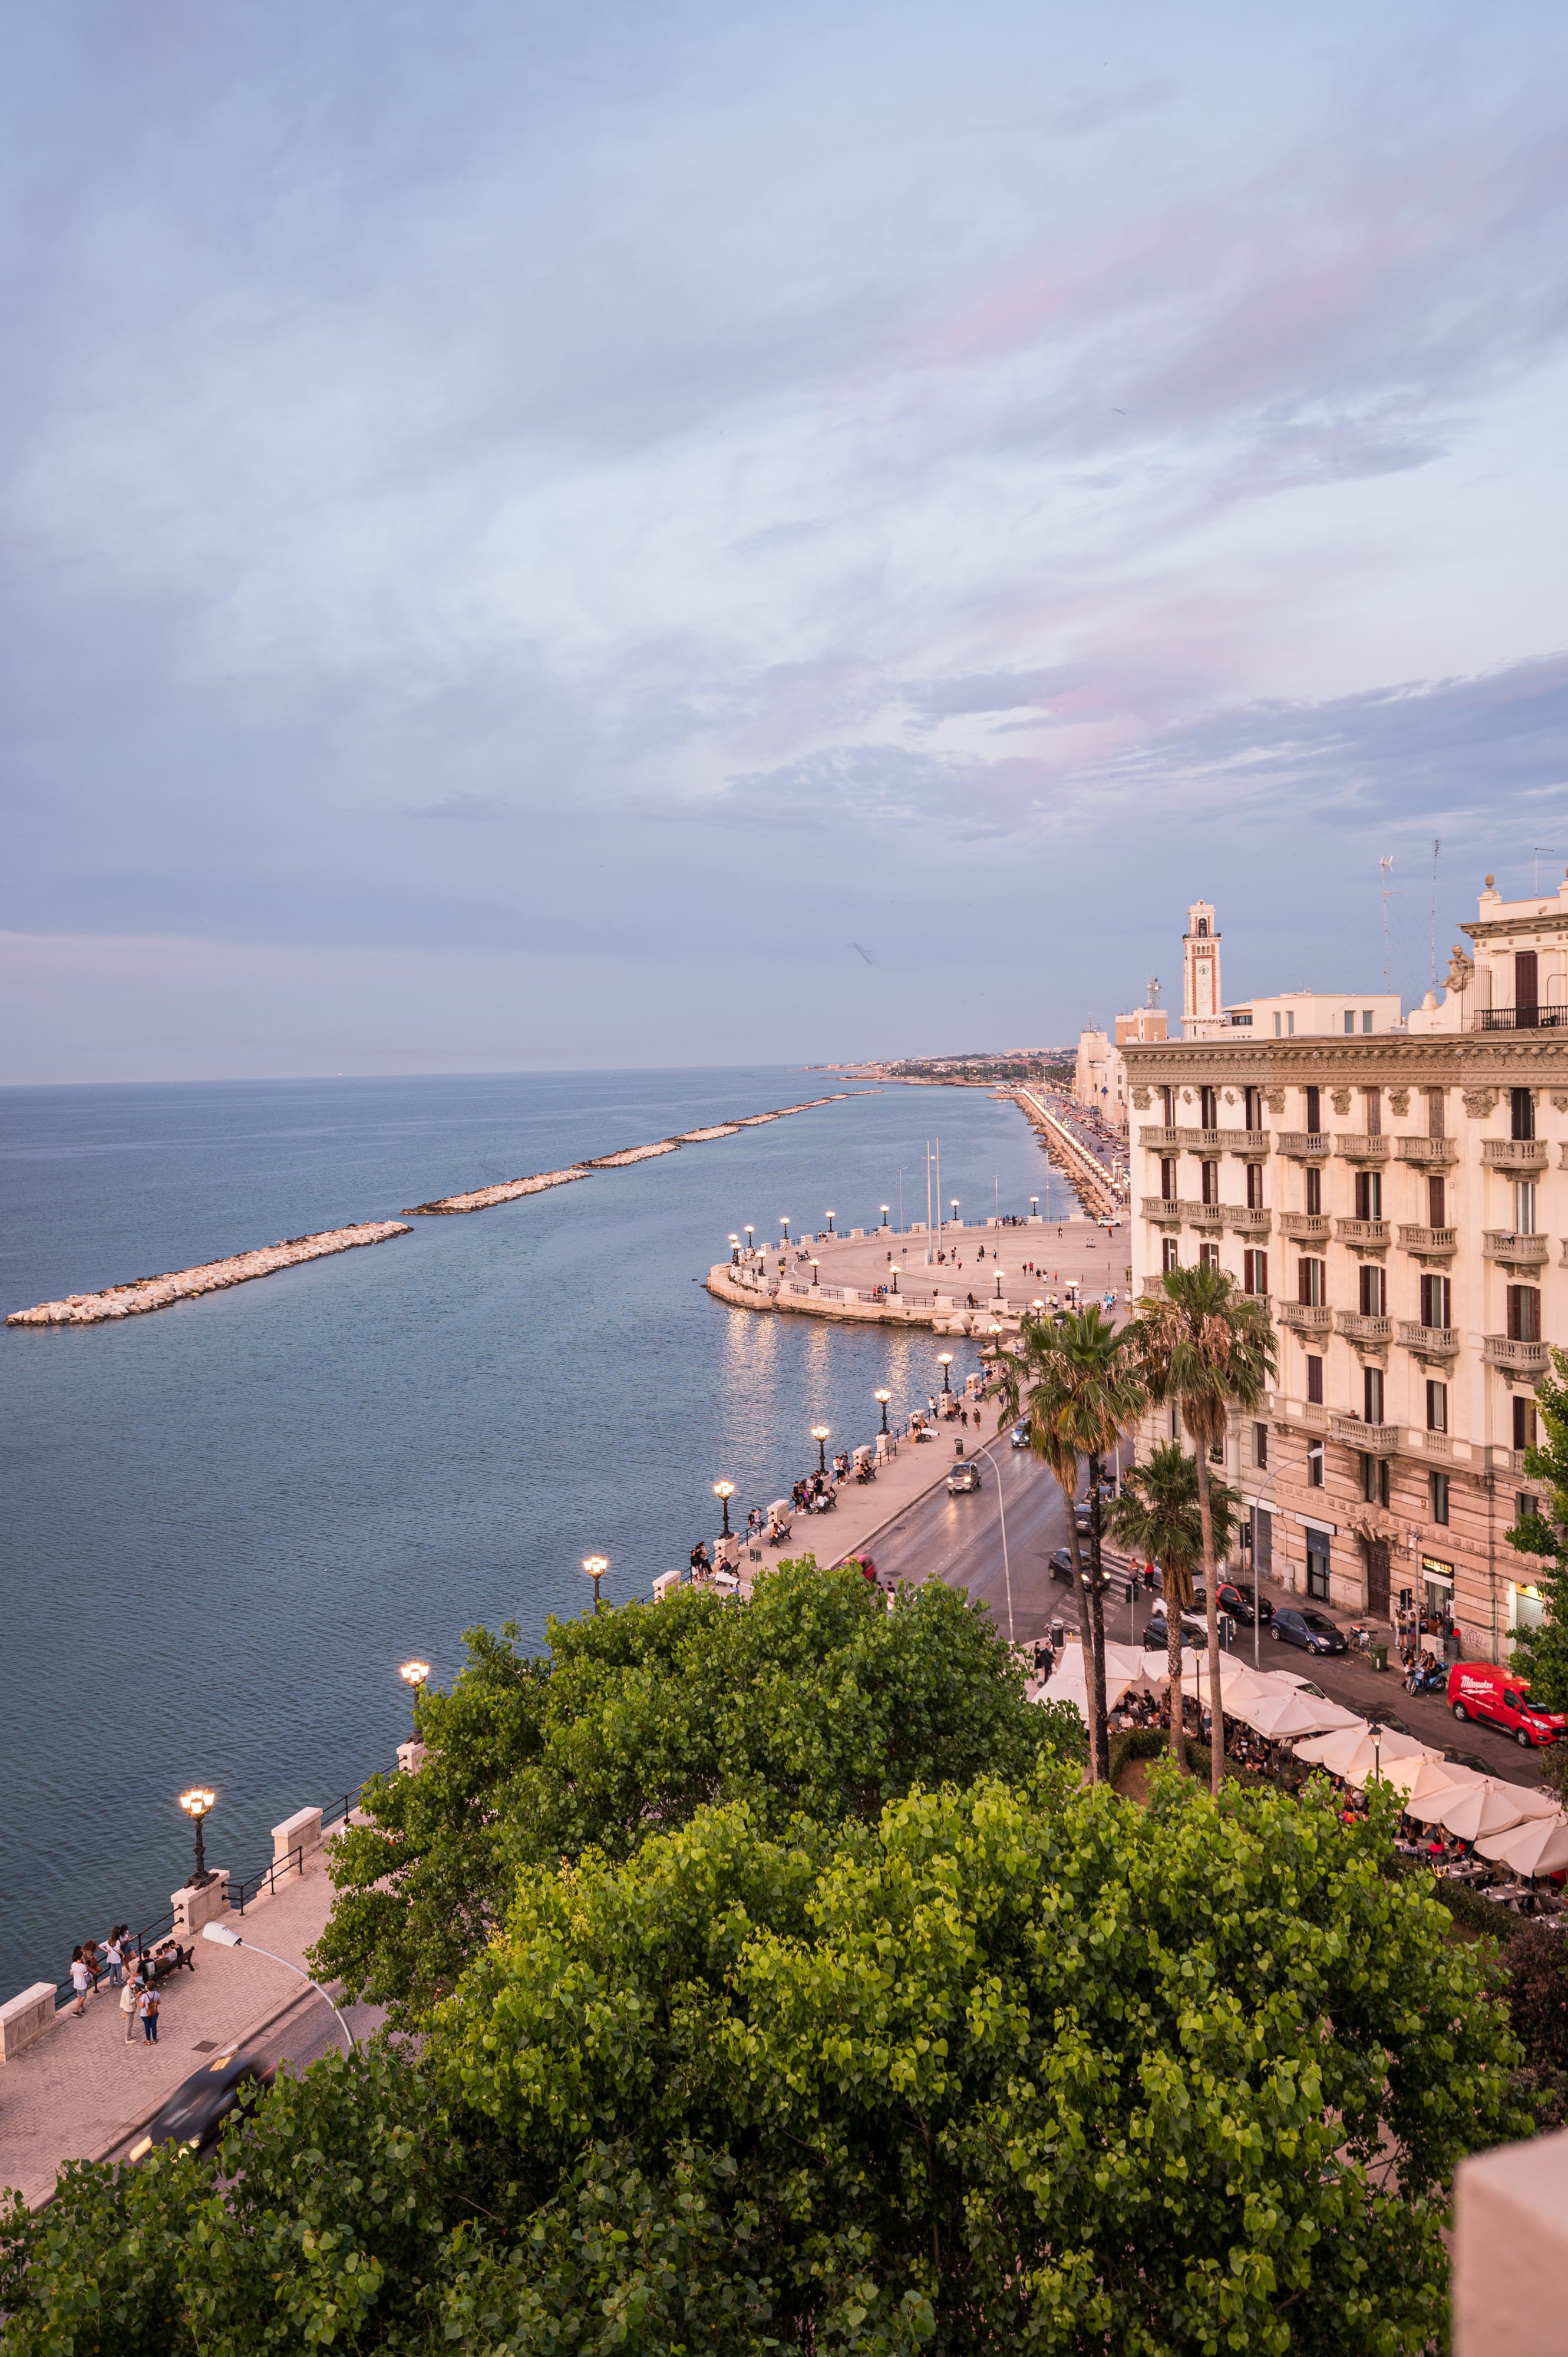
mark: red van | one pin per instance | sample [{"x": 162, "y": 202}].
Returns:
[{"x": 1482, "y": 1691}]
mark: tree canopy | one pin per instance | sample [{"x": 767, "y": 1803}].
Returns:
[
  {"x": 1541, "y": 1654},
  {"x": 1018, "y": 2066}
]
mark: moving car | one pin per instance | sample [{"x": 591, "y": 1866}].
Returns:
[
  {"x": 1020, "y": 1435},
  {"x": 1314, "y": 1631},
  {"x": 196, "y": 2113},
  {"x": 1481, "y": 1690},
  {"x": 1061, "y": 1565},
  {"x": 964, "y": 1475},
  {"x": 1193, "y": 1631},
  {"x": 1237, "y": 1600}
]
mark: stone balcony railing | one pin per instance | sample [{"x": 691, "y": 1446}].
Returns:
[
  {"x": 1519, "y": 1251},
  {"x": 1426, "y": 1149},
  {"x": 1362, "y": 1231},
  {"x": 1157, "y": 1140},
  {"x": 1429, "y": 1341},
  {"x": 1202, "y": 1215},
  {"x": 1254, "y": 1141},
  {"x": 1162, "y": 1207},
  {"x": 1311, "y": 1227},
  {"x": 1357, "y": 1328},
  {"x": 1199, "y": 1141},
  {"x": 1247, "y": 1219},
  {"x": 1519, "y": 1358},
  {"x": 1305, "y": 1146},
  {"x": 1433, "y": 1241},
  {"x": 1375, "y": 1439},
  {"x": 1514, "y": 1153},
  {"x": 1362, "y": 1145},
  {"x": 1306, "y": 1316}
]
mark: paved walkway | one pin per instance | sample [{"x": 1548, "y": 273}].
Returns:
[{"x": 80, "y": 2091}]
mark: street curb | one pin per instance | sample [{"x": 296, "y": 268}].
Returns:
[{"x": 918, "y": 1498}]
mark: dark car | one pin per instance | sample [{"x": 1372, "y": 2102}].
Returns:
[
  {"x": 1311, "y": 1631},
  {"x": 1156, "y": 1639},
  {"x": 1236, "y": 1599},
  {"x": 1021, "y": 1433},
  {"x": 1061, "y": 1565},
  {"x": 964, "y": 1475},
  {"x": 196, "y": 2113}
]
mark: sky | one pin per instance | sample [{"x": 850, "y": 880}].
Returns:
[{"x": 549, "y": 537}]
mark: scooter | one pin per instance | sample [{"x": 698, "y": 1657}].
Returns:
[{"x": 1430, "y": 1680}]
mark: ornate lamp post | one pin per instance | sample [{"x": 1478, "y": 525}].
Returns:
[
  {"x": 893, "y": 1274},
  {"x": 883, "y": 1398},
  {"x": 724, "y": 1492},
  {"x": 819, "y": 1434},
  {"x": 1034, "y": 1206},
  {"x": 944, "y": 1361},
  {"x": 733, "y": 1251},
  {"x": 784, "y": 1223},
  {"x": 830, "y": 1217},
  {"x": 413, "y": 1675},
  {"x": 816, "y": 1272},
  {"x": 955, "y": 1211},
  {"x": 196, "y": 1804},
  {"x": 998, "y": 1285},
  {"x": 750, "y": 1232},
  {"x": 886, "y": 1208},
  {"x": 596, "y": 1565}
]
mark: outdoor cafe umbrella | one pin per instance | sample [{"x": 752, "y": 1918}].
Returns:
[
  {"x": 1282, "y": 1717},
  {"x": 1486, "y": 1808},
  {"x": 1419, "y": 1779},
  {"x": 1538, "y": 1846},
  {"x": 1350, "y": 1752}
]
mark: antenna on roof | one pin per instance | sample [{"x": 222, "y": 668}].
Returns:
[
  {"x": 1436, "y": 847},
  {"x": 1538, "y": 848},
  {"x": 1388, "y": 891},
  {"x": 1152, "y": 991}
]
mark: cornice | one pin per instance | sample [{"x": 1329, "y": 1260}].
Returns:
[
  {"x": 1492, "y": 928},
  {"x": 1432, "y": 1058}
]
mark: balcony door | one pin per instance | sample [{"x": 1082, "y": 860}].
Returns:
[{"x": 1526, "y": 991}]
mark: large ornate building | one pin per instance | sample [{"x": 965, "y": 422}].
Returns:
[{"x": 1391, "y": 1194}]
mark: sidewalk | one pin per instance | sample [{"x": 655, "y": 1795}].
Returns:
[{"x": 80, "y": 2091}]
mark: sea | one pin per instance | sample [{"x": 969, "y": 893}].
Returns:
[{"x": 226, "y": 1524}]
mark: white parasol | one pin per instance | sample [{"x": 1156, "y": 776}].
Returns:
[
  {"x": 1540, "y": 1846},
  {"x": 1282, "y": 1717},
  {"x": 1418, "y": 1780},
  {"x": 1350, "y": 1752},
  {"x": 1488, "y": 1807}
]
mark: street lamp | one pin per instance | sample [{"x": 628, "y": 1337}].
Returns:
[
  {"x": 196, "y": 1804},
  {"x": 223, "y": 1937},
  {"x": 819, "y": 1434},
  {"x": 784, "y": 1223},
  {"x": 886, "y": 1208},
  {"x": 830, "y": 1217},
  {"x": 883, "y": 1397},
  {"x": 596, "y": 1565},
  {"x": 892, "y": 1273},
  {"x": 998, "y": 1285},
  {"x": 750, "y": 1232},
  {"x": 724, "y": 1492},
  {"x": 1034, "y": 1206},
  {"x": 816, "y": 1272},
  {"x": 1375, "y": 1732},
  {"x": 413, "y": 1675},
  {"x": 734, "y": 1251},
  {"x": 944, "y": 1361}
]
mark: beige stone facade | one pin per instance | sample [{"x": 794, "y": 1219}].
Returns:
[{"x": 1402, "y": 1203}]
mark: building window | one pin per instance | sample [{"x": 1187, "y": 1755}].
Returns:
[
  {"x": 1524, "y": 1314},
  {"x": 1315, "y": 1379},
  {"x": 1209, "y": 1255},
  {"x": 1437, "y": 1202},
  {"x": 1523, "y": 1422},
  {"x": 1436, "y": 1407},
  {"x": 1309, "y": 1285},
  {"x": 1254, "y": 1186},
  {"x": 1523, "y": 1102},
  {"x": 1365, "y": 1018},
  {"x": 1253, "y": 1113},
  {"x": 1437, "y": 1502},
  {"x": 1372, "y": 1394},
  {"x": 1526, "y": 990},
  {"x": 1315, "y": 1193},
  {"x": 1436, "y": 1301},
  {"x": 1527, "y": 1505},
  {"x": 1176, "y": 1421},
  {"x": 1254, "y": 1272},
  {"x": 1349, "y": 1018},
  {"x": 1261, "y": 1447},
  {"x": 1524, "y": 1207},
  {"x": 1375, "y": 1480},
  {"x": 1315, "y": 1464},
  {"x": 1373, "y": 1100},
  {"x": 1314, "y": 1103},
  {"x": 1208, "y": 1181},
  {"x": 1167, "y": 1179},
  {"x": 1437, "y": 1120},
  {"x": 1168, "y": 1097},
  {"x": 1317, "y": 1566},
  {"x": 1373, "y": 1290},
  {"x": 1170, "y": 1253},
  {"x": 1208, "y": 1108},
  {"x": 1369, "y": 1194}
]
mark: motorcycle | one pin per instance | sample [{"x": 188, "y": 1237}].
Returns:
[{"x": 1424, "y": 1678}]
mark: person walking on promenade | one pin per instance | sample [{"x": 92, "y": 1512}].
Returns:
[
  {"x": 114, "y": 1955},
  {"x": 147, "y": 2008},
  {"x": 129, "y": 1996},
  {"x": 81, "y": 1980}
]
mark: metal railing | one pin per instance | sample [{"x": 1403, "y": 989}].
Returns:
[{"x": 1521, "y": 1019}]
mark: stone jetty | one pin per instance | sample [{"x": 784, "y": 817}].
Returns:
[
  {"x": 482, "y": 1199},
  {"x": 213, "y": 1276}
]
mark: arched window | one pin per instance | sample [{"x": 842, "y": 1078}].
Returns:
[{"x": 1203, "y": 928}]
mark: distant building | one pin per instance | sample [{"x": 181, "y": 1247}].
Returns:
[
  {"x": 1100, "y": 1073},
  {"x": 1201, "y": 1006},
  {"x": 1313, "y": 1015}
]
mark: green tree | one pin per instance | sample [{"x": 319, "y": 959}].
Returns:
[
  {"x": 1199, "y": 1341},
  {"x": 1157, "y": 1516},
  {"x": 1078, "y": 1392},
  {"x": 1541, "y": 1654},
  {"x": 1007, "y": 2068},
  {"x": 815, "y": 1700}
]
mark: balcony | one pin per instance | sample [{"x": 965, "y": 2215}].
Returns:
[
  {"x": 1311, "y": 1227},
  {"x": 1365, "y": 1233},
  {"x": 1437, "y": 1444},
  {"x": 1202, "y": 1215},
  {"x": 1429, "y": 1341},
  {"x": 1246, "y": 1141},
  {"x": 1430, "y": 1150},
  {"x": 1514, "y": 1153},
  {"x": 1519, "y": 1019},
  {"x": 1162, "y": 1207},
  {"x": 1359, "y": 1329},
  {"x": 1158, "y": 1141},
  {"x": 1359, "y": 1145},
  {"x": 1305, "y": 1146},
  {"x": 1310, "y": 1413},
  {"x": 1435, "y": 1243},
  {"x": 1375, "y": 1439},
  {"x": 1199, "y": 1141},
  {"x": 1517, "y": 1357},
  {"x": 1520, "y": 1252},
  {"x": 1247, "y": 1220},
  {"x": 1305, "y": 1315}
]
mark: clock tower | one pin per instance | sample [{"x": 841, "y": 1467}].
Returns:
[{"x": 1200, "y": 999}]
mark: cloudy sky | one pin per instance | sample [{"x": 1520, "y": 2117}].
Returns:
[{"x": 622, "y": 533}]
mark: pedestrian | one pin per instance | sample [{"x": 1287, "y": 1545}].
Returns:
[
  {"x": 114, "y": 1956},
  {"x": 147, "y": 2008},
  {"x": 81, "y": 1980},
  {"x": 90, "y": 1958},
  {"x": 129, "y": 1997}
]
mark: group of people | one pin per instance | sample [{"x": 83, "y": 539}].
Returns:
[{"x": 133, "y": 1971}]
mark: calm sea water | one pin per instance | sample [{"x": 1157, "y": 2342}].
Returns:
[{"x": 226, "y": 1524}]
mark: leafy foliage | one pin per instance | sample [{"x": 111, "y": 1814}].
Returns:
[
  {"x": 1541, "y": 1654},
  {"x": 1005, "y": 2068},
  {"x": 814, "y": 1701}
]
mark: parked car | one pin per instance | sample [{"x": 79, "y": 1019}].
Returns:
[
  {"x": 964, "y": 1475},
  {"x": 1237, "y": 1600},
  {"x": 1156, "y": 1639},
  {"x": 196, "y": 2113},
  {"x": 1481, "y": 1690},
  {"x": 1314, "y": 1631}
]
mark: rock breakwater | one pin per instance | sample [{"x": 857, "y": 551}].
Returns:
[{"x": 145, "y": 1292}]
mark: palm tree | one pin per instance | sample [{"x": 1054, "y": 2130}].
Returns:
[
  {"x": 1078, "y": 1391},
  {"x": 1199, "y": 1342},
  {"x": 1157, "y": 1516}
]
